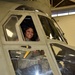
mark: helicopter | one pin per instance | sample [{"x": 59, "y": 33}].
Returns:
[{"x": 50, "y": 55}]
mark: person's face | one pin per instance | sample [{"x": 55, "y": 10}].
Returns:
[{"x": 29, "y": 33}]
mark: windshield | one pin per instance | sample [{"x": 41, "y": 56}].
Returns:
[
  {"x": 65, "y": 58},
  {"x": 30, "y": 62},
  {"x": 49, "y": 28},
  {"x": 60, "y": 31}
]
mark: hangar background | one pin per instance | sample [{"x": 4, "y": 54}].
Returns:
[{"x": 64, "y": 13}]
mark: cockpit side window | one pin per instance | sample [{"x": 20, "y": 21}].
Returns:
[
  {"x": 28, "y": 29},
  {"x": 49, "y": 28},
  {"x": 10, "y": 28},
  {"x": 65, "y": 58}
]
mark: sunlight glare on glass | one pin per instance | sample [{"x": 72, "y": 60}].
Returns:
[
  {"x": 37, "y": 73},
  {"x": 9, "y": 33}
]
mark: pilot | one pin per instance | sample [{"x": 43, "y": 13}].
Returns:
[{"x": 30, "y": 34}]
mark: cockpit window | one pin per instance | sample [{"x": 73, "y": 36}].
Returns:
[
  {"x": 30, "y": 62},
  {"x": 49, "y": 28},
  {"x": 65, "y": 58},
  {"x": 28, "y": 30},
  {"x": 10, "y": 28}
]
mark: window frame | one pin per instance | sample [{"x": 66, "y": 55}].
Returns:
[
  {"x": 49, "y": 55},
  {"x": 53, "y": 30},
  {"x": 32, "y": 14}
]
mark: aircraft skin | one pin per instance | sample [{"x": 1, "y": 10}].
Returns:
[
  {"x": 50, "y": 55},
  {"x": 36, "y": 4}
]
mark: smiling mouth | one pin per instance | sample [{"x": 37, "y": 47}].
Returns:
[{"x": 30, "y": 36}]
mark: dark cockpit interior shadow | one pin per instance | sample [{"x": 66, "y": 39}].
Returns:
[{"x": 28, "y": 22}]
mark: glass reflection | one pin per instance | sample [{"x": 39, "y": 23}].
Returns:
[
  {"x": 30, "y": 62},
  {"x": 9, "y": 28},
  {"x": 65, "y": 58}
]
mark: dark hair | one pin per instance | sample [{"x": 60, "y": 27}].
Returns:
[{"x": 35, "y": 33}]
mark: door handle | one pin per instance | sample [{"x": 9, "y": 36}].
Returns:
[{"x": 27, "y": 46}]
